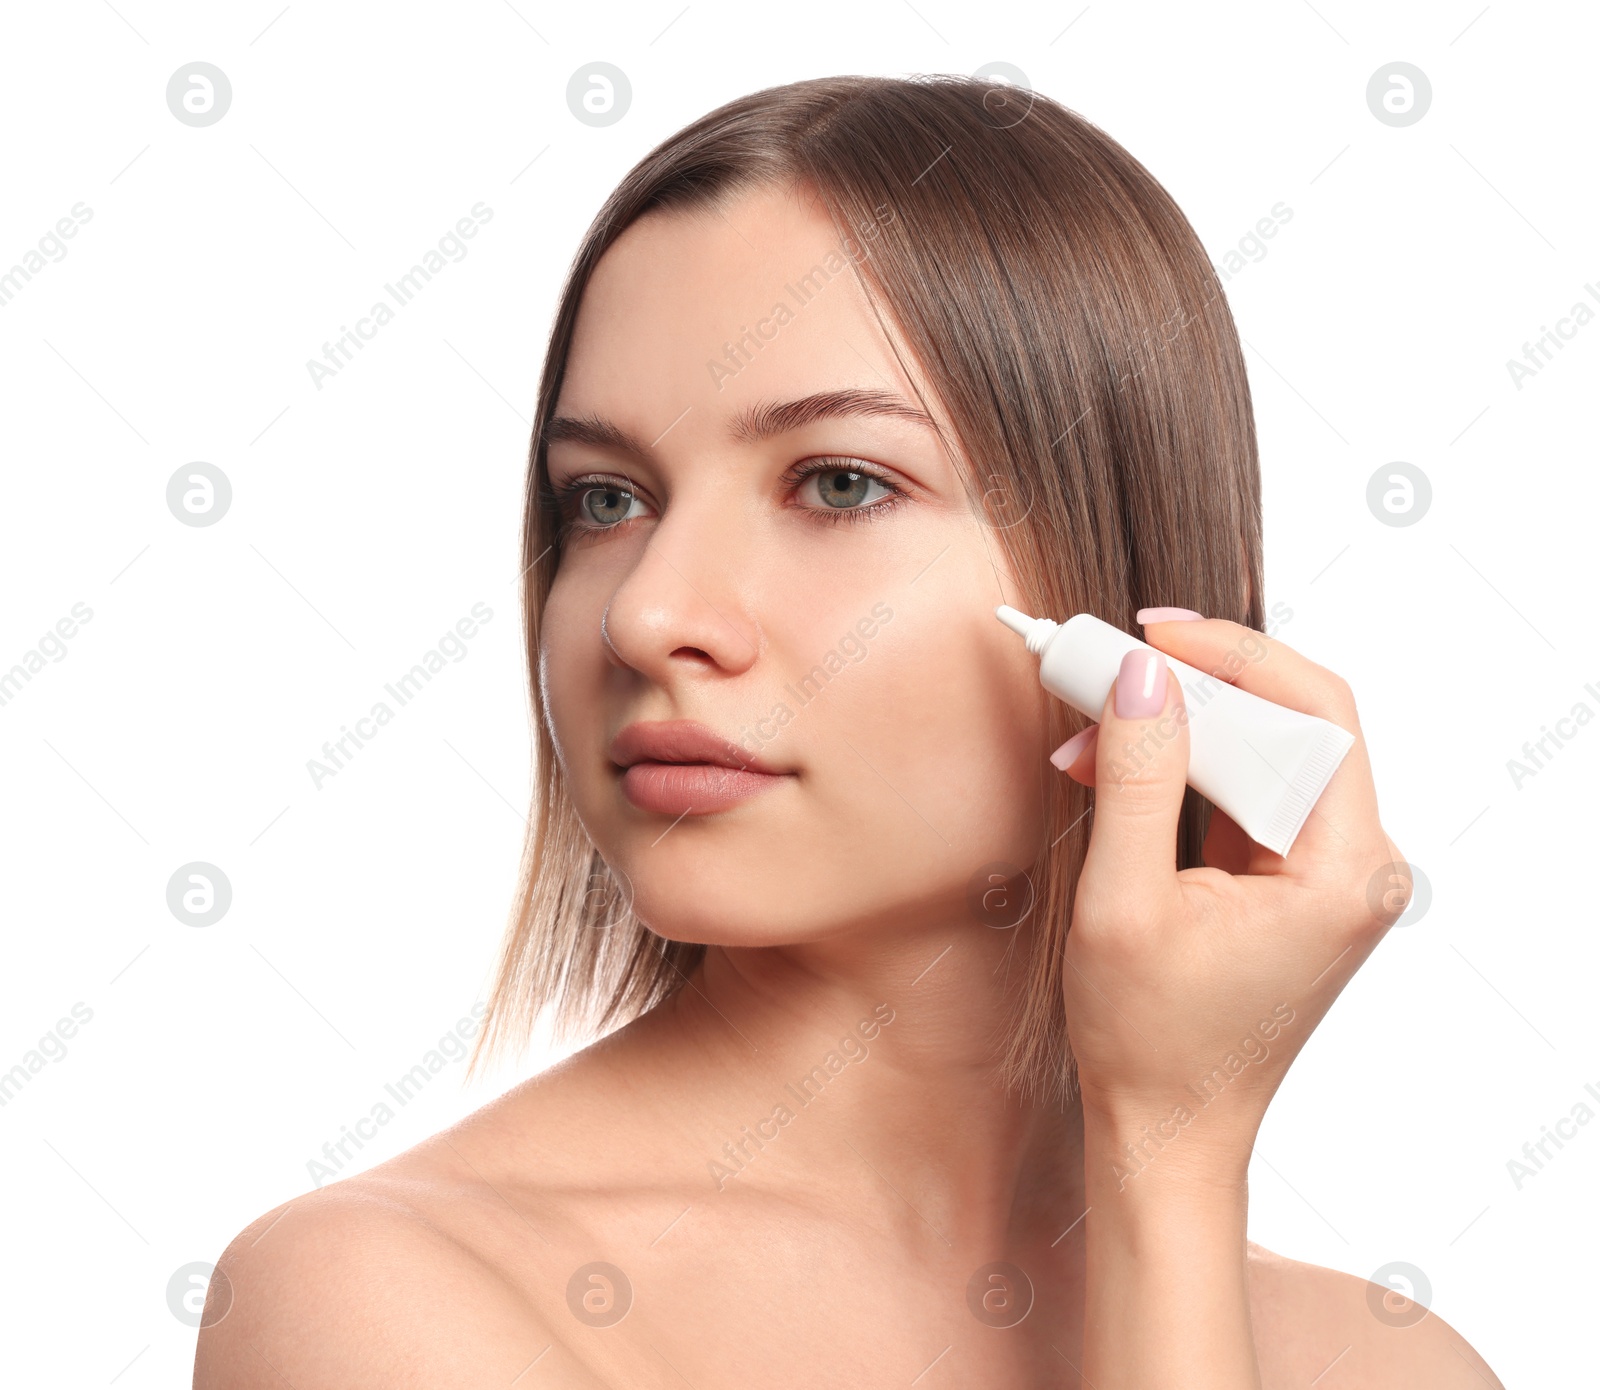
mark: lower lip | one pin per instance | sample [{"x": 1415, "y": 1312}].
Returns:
[{"x": 679, "y": 789}]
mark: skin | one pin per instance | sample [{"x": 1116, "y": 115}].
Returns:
[{"x": 840, "y": 1251}]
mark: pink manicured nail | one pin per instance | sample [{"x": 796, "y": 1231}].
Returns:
[
  {"x": 1072, "y": 749},
  {"x": 1141, "y": 685},
  {"x": 1145, "y": 616}
]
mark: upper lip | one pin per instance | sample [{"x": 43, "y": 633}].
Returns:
[{"x": 680, "y": 741}]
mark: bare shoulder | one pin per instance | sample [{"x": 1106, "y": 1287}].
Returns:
[
  {"x": 426, "y": 1270},
  {"x": 1313, "y": 1322},
  {"x": 352, "y": 1286}
]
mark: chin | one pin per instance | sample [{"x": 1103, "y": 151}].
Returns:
[
  {"x": 759, "y": 908},
  {"x": 688, "y": 908}
]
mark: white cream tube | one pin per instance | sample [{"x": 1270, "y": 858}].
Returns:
[{"x": 1261, "y": 763}]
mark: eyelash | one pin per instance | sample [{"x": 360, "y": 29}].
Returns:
[{"x": 565, "y": 497}]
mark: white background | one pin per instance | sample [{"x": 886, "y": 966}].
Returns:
[{"x": 369, "y": 516}]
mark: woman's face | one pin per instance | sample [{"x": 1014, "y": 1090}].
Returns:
[{"x": 838, "y": 628}]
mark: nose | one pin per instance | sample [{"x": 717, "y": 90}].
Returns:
[{"x": 684, "y": 606}]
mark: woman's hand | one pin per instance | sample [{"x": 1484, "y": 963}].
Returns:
[{"x": 1189, "y": 993}]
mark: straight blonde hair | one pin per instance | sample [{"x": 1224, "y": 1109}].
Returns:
[{"x": 1065, "y": 314}]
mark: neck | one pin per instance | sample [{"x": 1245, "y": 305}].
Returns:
[{"x": 888, "y": 1047}]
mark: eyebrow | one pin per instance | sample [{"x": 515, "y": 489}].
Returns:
[{"x": 755, "y": 423}]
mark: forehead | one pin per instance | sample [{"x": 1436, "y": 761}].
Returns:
[{"x": 705, "y": 311}]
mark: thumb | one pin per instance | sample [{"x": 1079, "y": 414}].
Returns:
[{"x": 1141, "y": 767}]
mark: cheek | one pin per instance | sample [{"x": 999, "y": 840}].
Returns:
[
  {"x": 927, "y": 757},
  {"x": 570, "y": 671}
]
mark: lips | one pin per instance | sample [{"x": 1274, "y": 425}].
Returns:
[
  {"x": 680, "y": 741},
  {"x": 679, "y": 767}
]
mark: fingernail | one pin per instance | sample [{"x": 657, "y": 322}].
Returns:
[
  {"x": 1141, "y": 684},
  {"x": 1145, "y": 616},
  {"x": 1069, "y": 752}
]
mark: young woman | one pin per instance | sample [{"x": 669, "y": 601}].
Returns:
[{"x": 914, "y": 1071}]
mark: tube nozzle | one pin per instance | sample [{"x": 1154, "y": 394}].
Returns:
[
  {"x": 1015, "y": 619},
  {"x": 1035, "y": 632}
]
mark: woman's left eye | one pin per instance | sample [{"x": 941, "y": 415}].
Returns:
[{"x": 841, "y": 491}]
